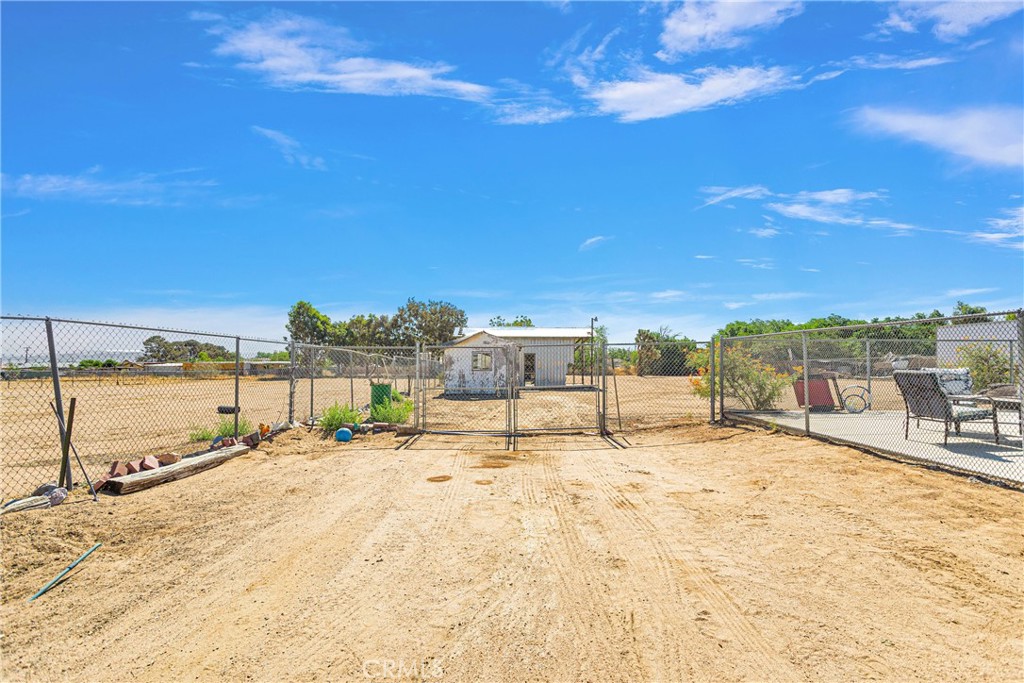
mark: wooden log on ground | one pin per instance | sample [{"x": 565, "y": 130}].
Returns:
[
  {"x": 179, "y": 470},
  {"x": 30, "y": 503}
]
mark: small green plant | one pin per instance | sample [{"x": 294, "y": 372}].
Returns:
[
  {"x": 393, "y": 412},
  {"x": 201, "y": 434},
  {"x": 988, "y": 365},
  {"x": 225, "y": 428},
  {"x": 335, "y": 416}
]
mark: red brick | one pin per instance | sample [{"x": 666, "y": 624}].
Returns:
[
  {"x": 98, "y": 484},
  {"x": 120, "y": 470},
  {"x": 134, "y": 467},
  {"x": 150, "y": 462},
  {"x": 113, "y": 468}
]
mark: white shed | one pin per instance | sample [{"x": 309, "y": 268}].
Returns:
[
  {"x": 491, "y": 358},
  {"x": 951, "y": 339}
]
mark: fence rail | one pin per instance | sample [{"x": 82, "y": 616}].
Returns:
[{"x": 945, "y": 391}]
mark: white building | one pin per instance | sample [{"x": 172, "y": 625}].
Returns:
[
  {"x": 952, "y": 339},
  {"x": 490, "y": 359}
]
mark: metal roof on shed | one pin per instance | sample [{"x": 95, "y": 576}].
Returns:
[{"x": 531, "y": 333}]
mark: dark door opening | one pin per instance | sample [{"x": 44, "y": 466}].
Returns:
[{"x": 529, "y": 368}]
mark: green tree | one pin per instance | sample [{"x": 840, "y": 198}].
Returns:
[
  {"x": 433, "y": 322},
  {"x": 520, "y": 321},
  {"x": 973, "y": 311},
  {"x": 307, "y": 325}
]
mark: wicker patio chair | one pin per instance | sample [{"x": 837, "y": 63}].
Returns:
[{"x": 925, "y": 400}]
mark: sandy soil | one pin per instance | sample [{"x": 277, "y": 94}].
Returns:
[{"x": 701, "y": 553}]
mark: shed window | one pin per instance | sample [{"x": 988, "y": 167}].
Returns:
[{"x": 481, "y": 361}]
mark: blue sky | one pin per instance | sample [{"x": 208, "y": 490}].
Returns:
[{"x": 206, "y": 165}]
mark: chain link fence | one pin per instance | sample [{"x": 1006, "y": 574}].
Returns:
[
  {"x": 140, "y": 391},
  {"x": 944, "y": 391},
  {"x": 657, "y": 384}
]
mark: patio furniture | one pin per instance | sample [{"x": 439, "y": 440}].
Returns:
[
  {"x": 852, "y": 399},
  {"x": 925, "y": 400}
]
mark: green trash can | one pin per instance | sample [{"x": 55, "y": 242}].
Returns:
[{"x": 380, "y": 394}]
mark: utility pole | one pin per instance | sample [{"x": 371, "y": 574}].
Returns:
[{"x": 592, "y": 359}]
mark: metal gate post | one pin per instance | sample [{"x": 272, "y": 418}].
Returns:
[
  {"x": 238, "y": 365},
  {"x": 721, "y": 378},
  {"x": 65, "y": 461},
  {"x": 312, "y": 355},
  {"x": 291, "y": 381},
  {"x": 416, "y": 389},
  {"x": 807, "y": 389},
  {"x": 604, "y": 388},
  {"x": 711, "y": 376},
  {"x": 868, "y": 355}
]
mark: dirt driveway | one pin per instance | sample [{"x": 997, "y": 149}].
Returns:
[{"x": 700, "y": 554}]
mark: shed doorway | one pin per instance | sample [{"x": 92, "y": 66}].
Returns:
[{"x": 529, "y": 369}]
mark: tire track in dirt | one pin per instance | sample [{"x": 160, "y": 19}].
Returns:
[
  {"x": 767, "y": 663},
  {"x": 410, "y": 542},
  {"x": 572, "y": 566},
  {"x": 520, "y": 580},
  {"x": 367, "y": 513},
  {"x": 234, "y": 622}
]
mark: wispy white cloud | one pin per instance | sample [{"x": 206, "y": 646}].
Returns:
[
  {"x": 763, "y": 263},
  {"x": 593, "y": 242},
  {"x": 992, "y": 136},
  {"x": 765, "y": 233},
  {"x": 953, "y": 293},
  {"x": 810, "y": 270},
  {"x": 779, "y": 296},
  {"x": 1005, "y": 230},
  {"x": 840, "y": 195},
  {"x": 141, "y": 189},
  {"x": 722, "y": 194},
  {"x": 733, "y": 305},
  {"x": 291, "y": 51},
  {"x": 950, "y": 20},
  {"x": 884, "y": 61},
  {"x": 698, "y": 26},
  {"x": 649, "y": 95},
  {"x": 290, "y": 149},
  {"x": 668, "y": 295},
  {"x": 703, "y": 257}
]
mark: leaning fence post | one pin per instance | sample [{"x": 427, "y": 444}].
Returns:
[
  {"x": 807, "y": 388},
  {"x": 238, "y": 367},
  {"x": 65, "y": 461}
]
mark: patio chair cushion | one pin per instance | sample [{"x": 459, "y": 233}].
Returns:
[
  {"x": 953, "y": 381},
  {"x": 961, "y": 412}
]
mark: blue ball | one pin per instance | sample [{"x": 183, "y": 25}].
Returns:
[{"x": 344, "y": 435}]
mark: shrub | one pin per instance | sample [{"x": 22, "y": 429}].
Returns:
[
  {"x": 988, "y": 365},
  {"x": 757, "y": 385},
  {"x": 337, "y": 415},
  {"x": 393, "y": 412}
]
